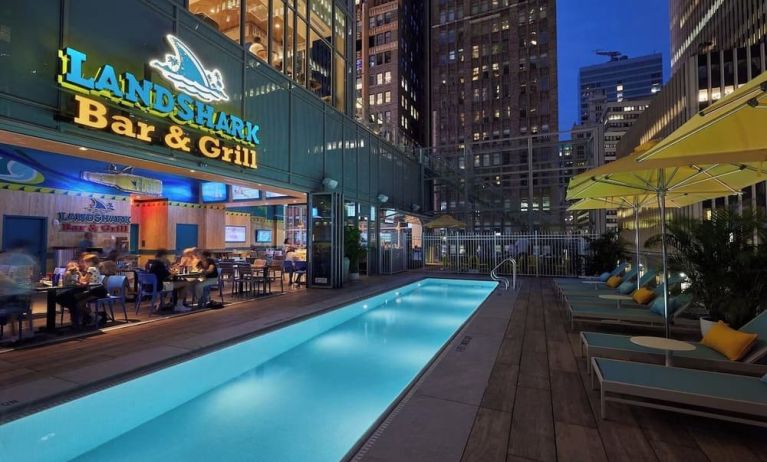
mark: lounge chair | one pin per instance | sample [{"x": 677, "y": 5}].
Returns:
[
  {"x": 625, "y": 288},
  {"x": 731, "y": 397},
  {"x": 594, "y": 300},
  {"x": 631, "y": 316},
  {"x": 600, "y": 288},
  {"x": 619, "y": 268},
  {"x": 599, "y": 344}
]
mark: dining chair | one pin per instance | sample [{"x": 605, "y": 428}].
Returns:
[
  {"x": 148, "y": 287},
  {"x": 117, "y": 288}
]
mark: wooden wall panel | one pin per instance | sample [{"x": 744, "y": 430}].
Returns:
[
  {"x": 213, "y": 237},
  {"x": 49, "y": 205}
]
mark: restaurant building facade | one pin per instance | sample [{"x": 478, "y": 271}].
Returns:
[{"x": 223, "y": 125}]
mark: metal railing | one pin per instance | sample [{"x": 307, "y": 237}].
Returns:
[
  {"x": 535, "y": 254},
  {"x": 494, "y": 274}
]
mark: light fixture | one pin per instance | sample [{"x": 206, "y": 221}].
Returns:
[
  {"x": 382, "y": 198},
  {"x": 329, "y": 183},
  {"x": 82, "y": 148},
  {"x": 191, "y": 171}
]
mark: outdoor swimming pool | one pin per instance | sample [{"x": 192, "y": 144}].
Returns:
[{"x": 305, "y": 392}]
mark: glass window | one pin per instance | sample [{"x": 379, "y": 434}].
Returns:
[
  {"x": 224, "y": 16},
  {"x": 278, "y": 34},
  {"x": 300, "y": 51},
  {"x": 320, "y": 62},
  {"x": 340, "y": 32},
  {"x": 256, "y": 28},
  {"x": 340, "y": 83},
  {"x": 289, "y": 37}
]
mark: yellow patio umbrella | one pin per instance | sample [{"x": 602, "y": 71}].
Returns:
[
  {"x": 732, "y": 129},
  {"x": 445, "y": 221},
  {"x": 675, "y": 180}
]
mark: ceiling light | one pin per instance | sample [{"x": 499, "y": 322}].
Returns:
[
  {"x": 191, "y": 171},
  {"x": 82, "y": 148}
]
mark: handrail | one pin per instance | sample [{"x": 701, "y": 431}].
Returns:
[{"x": 494, "y": 275}]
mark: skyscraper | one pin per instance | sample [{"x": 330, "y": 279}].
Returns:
[
  {"x": 714, "y": 24},
  {"x": 619, "y": 79},
  {"x": 494, "y": 80},
  {"x": 392, "y": 62}
]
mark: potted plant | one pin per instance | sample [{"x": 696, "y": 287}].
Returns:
[
  {"x": 353, "y": 250},
  {"x": 727, "y": 271}
]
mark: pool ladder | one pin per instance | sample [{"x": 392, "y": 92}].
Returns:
[{"x": 494, "y": 274}]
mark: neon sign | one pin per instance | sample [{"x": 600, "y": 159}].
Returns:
[{"x": 196, "y": 86}]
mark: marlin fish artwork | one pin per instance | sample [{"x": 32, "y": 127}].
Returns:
[{"x": 187, "y": 73}]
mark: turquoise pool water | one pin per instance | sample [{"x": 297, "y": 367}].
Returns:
[{"x": 305, "y": 392}]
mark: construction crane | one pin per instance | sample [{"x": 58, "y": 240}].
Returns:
[{"x": 614, "y": 55}]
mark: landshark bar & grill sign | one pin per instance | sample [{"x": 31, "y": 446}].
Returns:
[{"x": 196, "y": 87}]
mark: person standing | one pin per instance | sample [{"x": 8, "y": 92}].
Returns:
[{"x": 86, "y": 242}]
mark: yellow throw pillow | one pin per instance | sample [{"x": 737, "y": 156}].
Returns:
[
  {"x": 728, "y": 341},
  {"x": 613, "y": 282},
  {"x": 643, "y": 296}
]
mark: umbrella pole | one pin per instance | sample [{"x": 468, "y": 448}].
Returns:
[
  {"x": 636, "y": 239},
  {"x": 662, "y": 206}
]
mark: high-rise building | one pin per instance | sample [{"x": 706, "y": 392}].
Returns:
[
  {"x": 716, "y": 46},
  {"x": 493, "y": 85},
  {"x": 714, "y": 24},
  {"x": 617, "y": 80},
  {"x": 392, "y": 65}
]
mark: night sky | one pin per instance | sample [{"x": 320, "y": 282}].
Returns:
[{"x": 633, "y": 27}]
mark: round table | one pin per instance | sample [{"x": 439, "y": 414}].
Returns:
[
  {"x": 661, "y": 343},
  {"x": 594, "y": 283},
  {"x": 616, "y": 297}
]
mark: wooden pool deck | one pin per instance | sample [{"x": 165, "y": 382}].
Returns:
[
  {"x": 511, "y": 386},
  {"x": 539, "y": 404}
]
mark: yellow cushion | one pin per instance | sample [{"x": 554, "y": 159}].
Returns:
[
  {"x": 613, "y": 282},
  {"x": 643, "y": 296},
  {"x": 728, "y": 341}
]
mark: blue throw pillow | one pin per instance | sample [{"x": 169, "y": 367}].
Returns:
[
  {"x": 604, "y": 277},
  {"x": 626, "y": 287},
  {"x": 657, "y": 306}
]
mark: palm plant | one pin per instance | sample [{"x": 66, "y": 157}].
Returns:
[
  {"x": 726, "y": 269},
  {"x": 606, "y": 250}
]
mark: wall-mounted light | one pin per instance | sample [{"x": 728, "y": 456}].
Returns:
[
  {"x": 382, "y": 198},
  {"x": 330, "y": 183}
]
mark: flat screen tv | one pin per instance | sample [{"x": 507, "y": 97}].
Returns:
[
  {"x": 264, "y": 235},
  {"x": 241, "y": 193},
  {"x": 213, "y": 192},
  {"x": 234, "y": 234}
]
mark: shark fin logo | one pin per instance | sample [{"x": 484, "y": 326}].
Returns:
[
  {"x": 97, "y": 207},
  {"x": 186, "y": 72}
]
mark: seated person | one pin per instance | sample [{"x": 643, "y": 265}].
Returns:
[
  {"x": 160, "y": 267},
  {"x": 85, "y": 290},
  {"x": 189, "y": 260},
  {"x": 210, "y": 275}
]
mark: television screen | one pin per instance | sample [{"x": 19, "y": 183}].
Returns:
[
  {"x": 269, "y": 194},
  {"x": 241, "y": 193},
  {"x": 213, "y": 192},
  {"x": 264, "y": 235},
  {"x": 234, "y": 234}
]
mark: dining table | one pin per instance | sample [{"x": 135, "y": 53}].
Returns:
[{"x": 51, "y": 293}]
